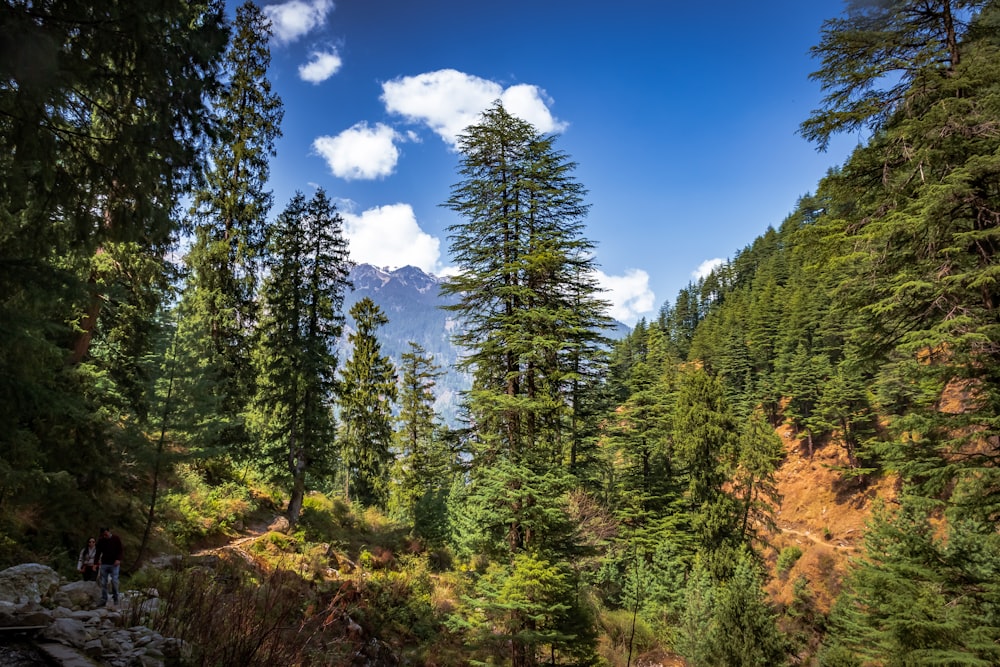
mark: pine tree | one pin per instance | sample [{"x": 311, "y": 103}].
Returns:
[
  {"x": 728, "y": 622},
  {"x": 707, "y": 447},
  {"x": 531, "y": 322},
  {"x": 919, "y": 598},
  {"x": 102, "y": 112},
  {"x": 229, "y": 216},
  {"x": 424, "y": 462},
  {"x": 295, "y": 357},
  {"x": 876, "y": 57},
  {"x": 760, "y": 453},
  {"x": 638, "y": 438},
  {"x": 365, "y": 393}
]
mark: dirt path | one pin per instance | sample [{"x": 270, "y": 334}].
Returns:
[
  {"x": 236, "y": 546},
  {"x": 841, "y": 544}
]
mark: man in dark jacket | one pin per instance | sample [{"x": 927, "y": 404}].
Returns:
[{"x": 111, "y": 552}]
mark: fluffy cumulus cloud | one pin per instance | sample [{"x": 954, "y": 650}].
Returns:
[
  {"x": 390, "y": 236},
  {"x": 629, "y": 295},
  {"x": 321, "y": 66},
  {"x": 448, "y": 101},
  {"x": 360, "y": 152},
  {"x": 706, "y": 268},
  {"x": 295, "y": 18}
]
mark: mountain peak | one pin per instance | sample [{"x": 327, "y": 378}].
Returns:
[{"x": 369, "y": 277}]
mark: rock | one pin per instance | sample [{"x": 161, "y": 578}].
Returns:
[
  {"x": 72, "y": 634},
  {"x": 78, "y": 595},
  {"x": 151, "y": 660},
  {"x": 177, "y": 649},
  {"x": 279, "y": 525},
  {"x": 8, "y": 614},
  {"x": 61, "y": 611},
  {"x": 33, "y": 618},
  {"x": 93, "y": 648},
  {"x": 167, "y": 562},
  {"x": 28, "y": 582},
  {"x": 64, "y": 655},
  {"x": 68, "y": 631}
]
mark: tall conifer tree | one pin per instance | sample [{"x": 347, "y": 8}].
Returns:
[
  {"x": 102, "y": 112},
  {"x": 229, "y": 216},
  {"x": 366, "y": 391},
  {"x": 531, "y": 315},
  {"x": 295, "y": 358}
]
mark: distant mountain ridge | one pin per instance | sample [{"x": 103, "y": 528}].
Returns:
[{"x": 412, "y": 300}]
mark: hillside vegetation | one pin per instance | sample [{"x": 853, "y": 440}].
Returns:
[{"x": 795, "y": 462}]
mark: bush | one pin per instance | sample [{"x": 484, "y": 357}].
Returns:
[
  {"x": 194, "y": 510},
  {"x": 787, "y": 558},
  {"x": 617, "y": 626}
]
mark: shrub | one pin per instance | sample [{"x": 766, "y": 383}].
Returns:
[
  {"x": 194, "y": 510},
  {"x": 617, "y": 626},
  {"x": 787, "y": 558}
]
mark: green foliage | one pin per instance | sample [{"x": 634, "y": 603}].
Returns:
[
  {"x": 228, "y": 215},
  {"x": 526, "y": 296},
  {"x": 193, "y": 510},
  {"x": 787, "y": 558},
  {"x": 624, "y": 631},
  {"x": 876, "y": 57},
  {"x": 295, "y": 360},
  {"x": 919, "y": 598},
  {"x": 532, "y": 604},
  {"x": 729, "y": 622},
  {"x": 425, "y": 463},
  {"x": 708, "y": 449},
  {"x": 365, "y": 394},
  {"x": 102, "y": 114}
]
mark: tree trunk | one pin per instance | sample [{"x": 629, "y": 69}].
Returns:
[{"x": 296, "y": 498}]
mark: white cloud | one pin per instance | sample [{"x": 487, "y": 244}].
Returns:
[
  {"x": 291, "y": 20},
  {"x": 629, "y": 295},
  {"x": 360, "y": 152},
  {"x": 448, "y": 101},
  {"x": 530, "y": 103},
  {"x": 390, "y": 236},
  {"x": 321, "y": 66},
  {"x": 707, "y": 267}
]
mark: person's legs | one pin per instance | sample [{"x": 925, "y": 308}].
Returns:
[
  {"x": 105, "y": 572},
  {"x": 114, "y": 581}
]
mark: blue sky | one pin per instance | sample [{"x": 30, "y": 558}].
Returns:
[{"x": 682, "y": 118}]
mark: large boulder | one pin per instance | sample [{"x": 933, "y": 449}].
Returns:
[
  {"x": 78, "y": 595},
  {"x": 28, "y": 582},
  {"x": 67, "y": 631}
]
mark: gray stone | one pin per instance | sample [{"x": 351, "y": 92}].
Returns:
[
  {"x": 88, "y": 616},
  {"x": 61, "y": 612},
  {"x": 33, "y": 618},
  {"x": 79, "y": 595},
  {"x": 64, "y": 655},
  {"x": 28, "y": 582},
  {"x": 93, "y": 648},
  {"x": 279, "y": 525},
  {"x": 149, "y": 660},
  {"x": 68, "y": 631}
]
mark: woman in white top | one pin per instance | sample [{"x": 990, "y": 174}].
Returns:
[{"x": 87, "y": 563}]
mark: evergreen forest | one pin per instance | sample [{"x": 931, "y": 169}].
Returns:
[{"x": 169, "y": 365}]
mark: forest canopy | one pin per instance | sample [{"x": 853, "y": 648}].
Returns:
[{"x": 167, "y": 340}]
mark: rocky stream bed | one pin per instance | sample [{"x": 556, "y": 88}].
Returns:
[{"x": 45, "y": 620}]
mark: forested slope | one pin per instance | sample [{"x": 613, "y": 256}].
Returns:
[{"x": 598, "y": 502}]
